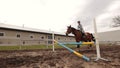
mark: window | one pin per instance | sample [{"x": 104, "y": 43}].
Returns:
[
  {"x": 1, "y": 34},
  {"x": 49, "y": 42},
  {"x": 58, "y": 38},
  {"x": 31, "y": 36},
  {"x": 23, "y": 42},
  {"x": 1, "y": 42},
  {"x": 50, "y": 37},
  {"x": 18, "y": 35},
  {"x": 42, "y": 37}
]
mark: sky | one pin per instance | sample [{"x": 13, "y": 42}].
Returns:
[{"x": 56, "y": 15}]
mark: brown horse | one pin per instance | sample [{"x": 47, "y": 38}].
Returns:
[{"x": 78, "y": 35}]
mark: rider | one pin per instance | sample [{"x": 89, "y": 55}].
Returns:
[{"x": 79, "y": 27}]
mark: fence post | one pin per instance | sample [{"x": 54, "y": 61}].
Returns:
[{"x": 53, "y": 46}]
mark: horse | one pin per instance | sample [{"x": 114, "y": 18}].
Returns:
[{"x": 79, "y": 36}]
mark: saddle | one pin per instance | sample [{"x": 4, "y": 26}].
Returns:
[{"x": 83, "y": 35}]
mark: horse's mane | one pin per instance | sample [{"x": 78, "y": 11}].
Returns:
[{"x": 73, "y": 28}]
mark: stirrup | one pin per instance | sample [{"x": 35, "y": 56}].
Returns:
[{"x": 83, "y": 36}]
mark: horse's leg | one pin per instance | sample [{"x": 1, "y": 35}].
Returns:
[
  {"x": 78, "y": 46},
  {"x": 93, "y": 38},
  {"x": 89, "y": 45}
]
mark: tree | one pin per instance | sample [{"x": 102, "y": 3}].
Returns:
[{"x": 116, "y": 21}]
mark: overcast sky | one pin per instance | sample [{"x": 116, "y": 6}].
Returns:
[{"x": 56, "y": 15}]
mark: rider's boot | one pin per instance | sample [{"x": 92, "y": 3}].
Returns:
[{"x": 83, "y": 35}]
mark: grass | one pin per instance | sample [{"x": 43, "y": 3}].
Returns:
[{"x": 27, "y": 47}]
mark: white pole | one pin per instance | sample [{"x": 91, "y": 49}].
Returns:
[
  {"x": 97, "y": 43},
  {"x": 53, "y": 41}
]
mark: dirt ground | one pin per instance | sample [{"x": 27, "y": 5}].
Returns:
[{"x": 61, "y": 58}]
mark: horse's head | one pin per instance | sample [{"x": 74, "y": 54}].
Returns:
[{"x": 69, "y": 30}]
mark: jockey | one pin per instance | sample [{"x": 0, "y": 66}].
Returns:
[{"x": 79, "y": 27}]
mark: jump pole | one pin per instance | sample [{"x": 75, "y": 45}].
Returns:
[
  {"x": 72, "y": 51},
  {"x": 76, "y": 43},
  {"x": 97, "y": 43}
]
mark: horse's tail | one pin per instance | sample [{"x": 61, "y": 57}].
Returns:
[{"x": 93, "y": 38}]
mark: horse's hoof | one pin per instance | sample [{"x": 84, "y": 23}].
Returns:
[{"x": 79, "y": 51}]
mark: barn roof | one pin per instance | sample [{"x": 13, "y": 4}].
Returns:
[{"x": 20, "y": 28}]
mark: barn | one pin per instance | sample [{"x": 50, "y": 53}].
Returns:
[{"x": 16, "y": 35}]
